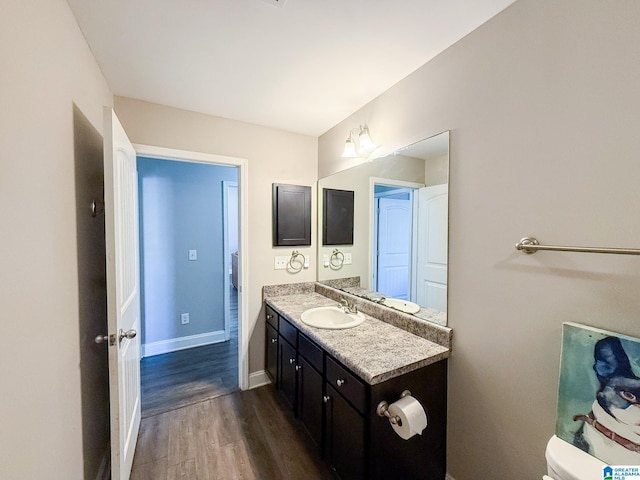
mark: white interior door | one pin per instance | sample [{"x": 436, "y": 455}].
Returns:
[
  {"x": 394, "y": 247},
  {"x": 433, "y": 207},
  {"x": 123, "y": 293}
]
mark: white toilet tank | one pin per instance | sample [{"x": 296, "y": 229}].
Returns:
[{"x": 566, "y": 462}]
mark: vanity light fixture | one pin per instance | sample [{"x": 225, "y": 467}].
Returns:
[
  {"x": 362, "y": 148},
  {"x": 366, "y": 144}
]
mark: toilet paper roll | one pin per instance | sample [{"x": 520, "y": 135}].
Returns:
[{"x": 412, "y": 417}]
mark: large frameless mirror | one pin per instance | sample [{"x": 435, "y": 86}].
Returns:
[{"x": 400, "y": 230}]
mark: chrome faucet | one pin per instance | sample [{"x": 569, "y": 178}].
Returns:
[{"x": 351, "y": 308}]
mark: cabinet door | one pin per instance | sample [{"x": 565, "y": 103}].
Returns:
[
  {"x": 310, "y": 399},
  {"x": 271, "y": 349},
  {"x": 291, "y": 215},
  {"x": 344, "y": 433},
  {"x": 287, "y": 371}
]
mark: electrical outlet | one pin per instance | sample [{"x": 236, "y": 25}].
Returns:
[
  {"x": 347, "y": 259},
  {"x": 184, "y": 318},
  {"x": 281, "y": 262}
]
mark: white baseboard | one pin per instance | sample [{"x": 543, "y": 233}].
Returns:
[
  {"x": 180, "y": 343},
  {"x": 258, "y": 379}
]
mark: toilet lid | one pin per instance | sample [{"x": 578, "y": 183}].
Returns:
[{"x": 571, "y": 463}]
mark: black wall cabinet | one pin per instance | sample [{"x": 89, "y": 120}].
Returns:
[
  {"x": 291, "y": 215},
  {"x": 337, "y": 217}
]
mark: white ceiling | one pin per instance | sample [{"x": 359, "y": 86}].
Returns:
[{"x": 303, "y": 66}]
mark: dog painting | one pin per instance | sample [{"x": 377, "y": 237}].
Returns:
[{"x": 599, "y": 394}]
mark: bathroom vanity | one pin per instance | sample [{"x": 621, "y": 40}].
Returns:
[{"x": 334, "y": 380}]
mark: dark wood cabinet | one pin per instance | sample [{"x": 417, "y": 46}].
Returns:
[
  {"x": 337, "y": 217},
  {"x": 271, "y": 344},
  {"x": 344, "y": 436},
  {"x": 422, "y": 456},
  {"x": 338, "y": 409},
  {"x": 271, "y": 356},
  {"x": 310, "y": 399},
  {"x": 287, "y": 371},
  {"x": 291, "y": 215},
  {"x": 350, "y": 387}
]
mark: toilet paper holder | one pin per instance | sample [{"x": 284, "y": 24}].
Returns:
[{"x": 383, "y": 410}]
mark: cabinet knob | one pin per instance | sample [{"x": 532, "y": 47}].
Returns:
[
  {"x": 274, "y": 340},
  {"x": 292, "y": 361},
  {"x": 298, "y": 368},
  {"x": 269, "y": 317},
  {"x": 339, "y": 382},
  {"x": 326, "y": 398}
]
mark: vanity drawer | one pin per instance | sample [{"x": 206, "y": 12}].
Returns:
[
  {"x": 310, "y": 351},
  {"x": 288, "y": 331},
  {"x": 347, "y": 384},
  {"x": 271, "y": 316}
]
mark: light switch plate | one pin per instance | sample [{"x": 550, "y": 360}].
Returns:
[
  {"x": 281, "y": 262},
  {"x": 184, "y": 318},
  {"x": 193, "y": 255}
]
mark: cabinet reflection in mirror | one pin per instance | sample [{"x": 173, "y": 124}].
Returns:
[{"x": 401, "y": 227}]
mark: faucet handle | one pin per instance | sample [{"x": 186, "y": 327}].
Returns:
[{"x": 347, "y": 306}]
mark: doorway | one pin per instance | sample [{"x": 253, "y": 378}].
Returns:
[
  {"x": 394, "y": 242},
  {"x": 190, "y": 315}
]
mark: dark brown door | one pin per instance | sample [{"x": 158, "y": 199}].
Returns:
[
  {"x": 344, "y": 447},
  {"x": 310, "y": 399},
  {"x": 271, "y": 349},
  {"x": 287, "y": 364}
]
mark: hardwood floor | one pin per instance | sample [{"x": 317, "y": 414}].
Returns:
[
  {"x": 243, "y": 435},
  {"x": 196, "y": 425},
  {"x": 176, "y": 379}
]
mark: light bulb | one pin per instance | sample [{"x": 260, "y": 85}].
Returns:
[
  {"x": 366, "y": 144},
  {"x": 349, "y": 149}
]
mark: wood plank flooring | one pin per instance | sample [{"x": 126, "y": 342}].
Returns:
[
  {"x": 243, "y": 435},
  {"x": 176, "y": 379},
  {"x": 181, "y": 378},
  {"x": 196, "y": 425}
]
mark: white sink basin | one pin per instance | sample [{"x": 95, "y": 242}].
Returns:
[
  {"x": 331, "y": 317},
  {"x": 402, "y": 305}
]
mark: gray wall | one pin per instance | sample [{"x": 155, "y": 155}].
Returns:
[
  {"x": 543, "y": 106},
  {"x": 47, "y": 68},
  {"x": 358, "y": 180},
  {"x": 181, "y": 210},
  {"x": 273, "y": 156}
]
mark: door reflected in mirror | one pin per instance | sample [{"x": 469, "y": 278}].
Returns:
[{"x": 400, "y": 233}]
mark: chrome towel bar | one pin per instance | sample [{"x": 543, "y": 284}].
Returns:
[{"x": 531, "y": 245}]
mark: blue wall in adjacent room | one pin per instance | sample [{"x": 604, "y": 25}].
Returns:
[{"x": 181, "y": 209}]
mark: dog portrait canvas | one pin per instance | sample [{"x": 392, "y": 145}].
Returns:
[{"x": 599, "y": 393}]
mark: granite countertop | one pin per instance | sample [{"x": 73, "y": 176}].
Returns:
[
  {"x": 435, "y": 316},
  {"x": 374, "y": 350}
]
